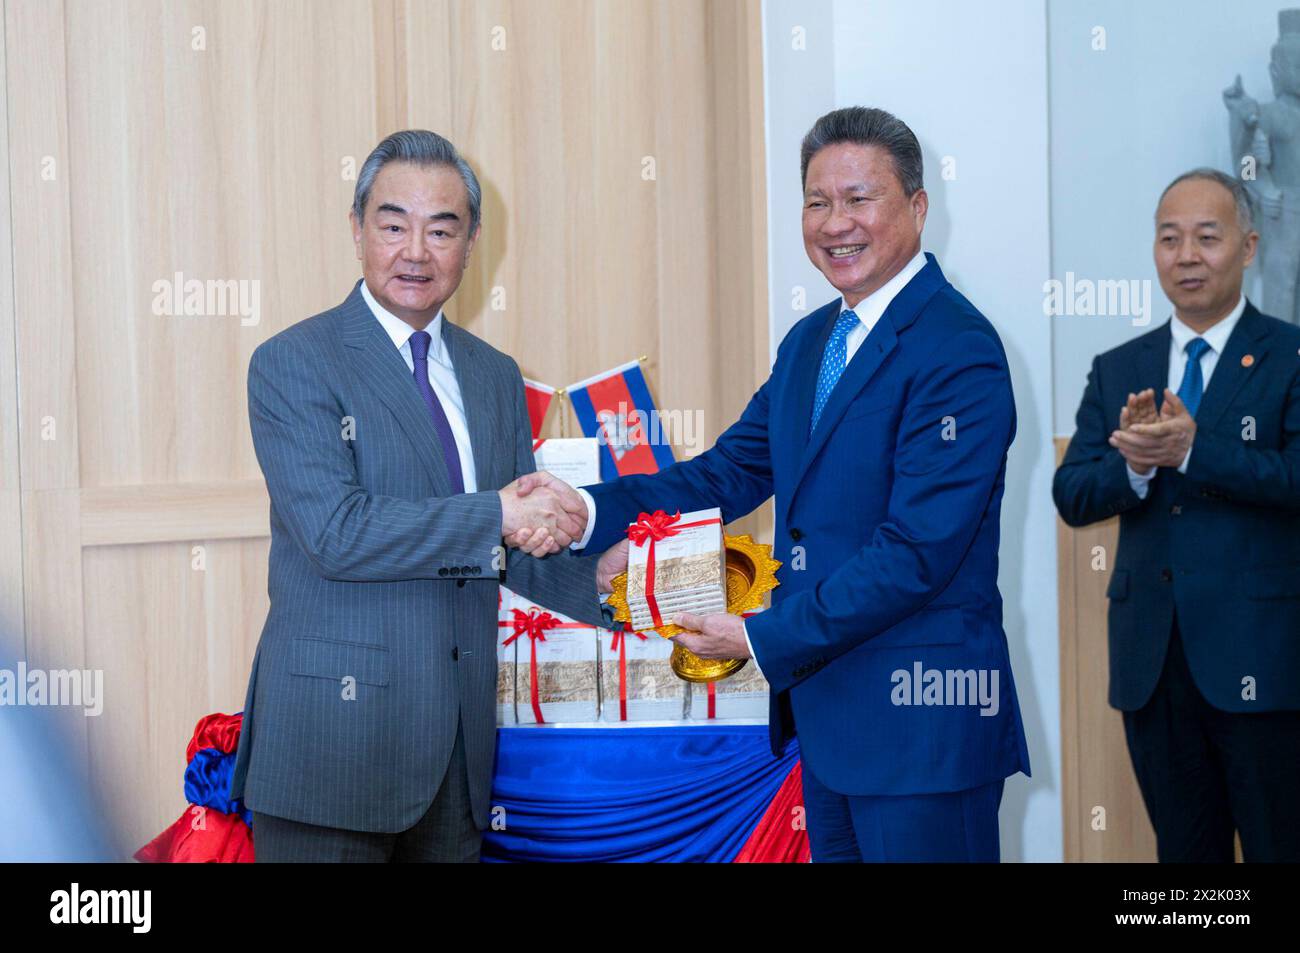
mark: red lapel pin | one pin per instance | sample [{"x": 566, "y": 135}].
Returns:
[{"x": 1247, "y": 360}]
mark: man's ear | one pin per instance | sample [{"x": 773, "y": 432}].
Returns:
[
  {"x": 356, "y": 232},
  {"x": 920, "y": 208},
  {"x": 1250, "y": 246},
  {"x": 469, "y": 245}
]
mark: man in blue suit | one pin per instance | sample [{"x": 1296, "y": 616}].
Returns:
[
  {"x": 1204, "y": 618},
  {"x": 882, "y": 432}
]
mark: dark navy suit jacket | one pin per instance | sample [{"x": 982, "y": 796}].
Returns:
[
  {"x": 1219, "y": 544},
  {"x": 887, "y": 528}
]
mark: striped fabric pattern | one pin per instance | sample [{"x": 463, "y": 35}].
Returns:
[{"x": 383, "y": 585}]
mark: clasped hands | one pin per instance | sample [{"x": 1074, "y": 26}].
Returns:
[
  {"x": 541, "y": 514},
  {"x": 1148, "y": 439}
]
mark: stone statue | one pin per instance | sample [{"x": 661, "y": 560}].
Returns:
[{"x": 1266, "y": 147}]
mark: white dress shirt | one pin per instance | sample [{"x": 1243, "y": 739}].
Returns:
[
  {"x": 442, "y": 377},
  {"x": 1179, "y": 336},
  {"x": 869, "y": 311}
]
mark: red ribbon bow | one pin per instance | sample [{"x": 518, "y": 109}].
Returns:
[
  {"x": 652, "y": 526},
  {"x": 533, "y": 624}
]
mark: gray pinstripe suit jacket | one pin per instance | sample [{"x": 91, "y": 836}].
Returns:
[{"x": 378, "y": 572}]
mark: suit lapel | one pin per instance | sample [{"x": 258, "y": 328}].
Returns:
[
  {"x": 1153, "y": 364},
  {"x": 1229, "y": 373},
  {"x": 381, "y": 366},
  {"x": 871, "y": 354},
  {"x": 467, "y": 358},
  {"x": 806, "y": 369}
]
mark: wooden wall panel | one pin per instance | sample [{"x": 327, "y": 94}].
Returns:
[
  {"x": 173, "y": 631},
  {"x": 45, "y": 337},
  {"x": 224, "y": 162},
  {"x": 11, "y": 522},
  {"x": 1095, "y": 766},
  {"x": 220, "y": 140}
]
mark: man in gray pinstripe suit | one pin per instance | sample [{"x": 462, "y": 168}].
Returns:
[{"x": 391, "y": 441}]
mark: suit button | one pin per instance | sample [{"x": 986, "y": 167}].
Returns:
[
  {"x": 455, "y": 654},
  {"x": 1175, "y": 510},
  {"x": 478, "y": 570},
  {"x": 1166, "y": 575},
  {"x": 467, "y": 569},
  {"x": 796, "y": 533},
  {"x": 455, "y": 570},
  {"x": 460, "y": 583},
  {"x": 442, "y": 571}
]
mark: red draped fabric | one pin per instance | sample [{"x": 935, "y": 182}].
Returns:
[
  {"x": 781, "y": 836},
  {"x": 201, "y": 836}
]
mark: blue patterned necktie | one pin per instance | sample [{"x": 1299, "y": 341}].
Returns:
[
  {"x": 1191, "y": 388},
  {"x": 833, "y": 362},
  {"x": 420, "y": 341}
]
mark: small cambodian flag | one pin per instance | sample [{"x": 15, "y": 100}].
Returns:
[{"x": 617, "y": 409}]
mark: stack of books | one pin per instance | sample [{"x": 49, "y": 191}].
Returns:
[{"x": 689, "y": 571}]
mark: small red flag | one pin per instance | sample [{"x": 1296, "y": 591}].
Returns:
[{"x": 539, "y": 402}]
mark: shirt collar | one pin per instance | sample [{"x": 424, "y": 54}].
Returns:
[
  {"x": 1216, "y": 337},
  {"x": 400, "y": 332},
  {"x": 870, "y": 308}
]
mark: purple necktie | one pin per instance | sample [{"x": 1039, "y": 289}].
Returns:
[{"x": 420, "y": 355}]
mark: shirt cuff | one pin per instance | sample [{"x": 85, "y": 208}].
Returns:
[
  {"x": 1139, "y": 481},
  {"x": 1182, "y": 467},
  {"x": 750, "y": 644},
  {"x": 591, "y": 519}
]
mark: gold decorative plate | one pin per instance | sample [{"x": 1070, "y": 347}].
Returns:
[{"x": 751, "y": 574}]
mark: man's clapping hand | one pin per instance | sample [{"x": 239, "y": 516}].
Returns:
[
  {"x": 541, "y": 514},
  {"x": 1140, "y": 409},
  {"x": 1164, "y": 442}
]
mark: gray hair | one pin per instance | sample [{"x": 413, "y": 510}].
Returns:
[
  {"x": 423, "y": 148},
  {"x": 867, "y": 127},
  {"x": 1236, "y": 188}
]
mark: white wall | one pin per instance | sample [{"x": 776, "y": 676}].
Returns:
[
  {"x": 1125, "y": 121},
  {"x": 973, "y": 87},
  {"x": 799, "y": 86}
]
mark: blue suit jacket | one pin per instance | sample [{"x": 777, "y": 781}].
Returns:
[
  {"x": 887, "y": 528},
  {"x": 1221, "y": 543}
]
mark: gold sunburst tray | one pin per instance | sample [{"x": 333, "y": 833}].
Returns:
[{"x": 751, "y": 574}]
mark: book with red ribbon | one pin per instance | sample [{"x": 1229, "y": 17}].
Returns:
[
  {"x": 637, "y": 680},
  {"x": 675, "y": 564},
  {"x": 552, "y": 674}
]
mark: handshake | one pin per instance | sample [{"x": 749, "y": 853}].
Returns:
[{"x": 541, "y": 514}]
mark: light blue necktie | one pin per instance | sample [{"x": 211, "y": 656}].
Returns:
[
  {"x": 833, "y": 362},
  {"x": 1192, "y": 386}
]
